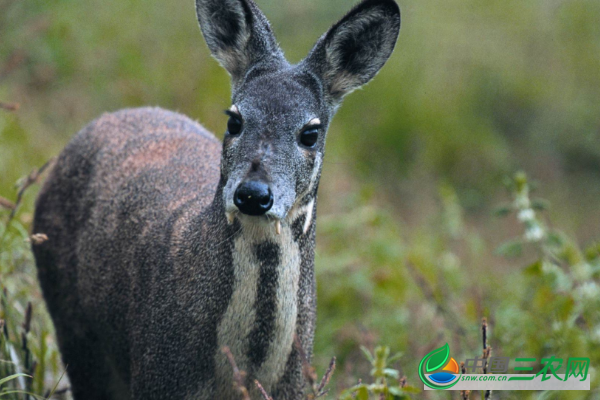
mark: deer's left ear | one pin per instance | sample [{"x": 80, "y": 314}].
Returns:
[{"x": 354, "y": 49}]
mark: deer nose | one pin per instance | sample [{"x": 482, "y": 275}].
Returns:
[{"x": 253, "y": 198}]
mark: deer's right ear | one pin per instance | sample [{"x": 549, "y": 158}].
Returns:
[{"x": 238, "y": 34}]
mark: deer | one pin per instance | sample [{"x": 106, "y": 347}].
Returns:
[{"x": 165, "y": 244}]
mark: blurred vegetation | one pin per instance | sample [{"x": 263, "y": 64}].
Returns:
[{"x": 409, "y": 252}]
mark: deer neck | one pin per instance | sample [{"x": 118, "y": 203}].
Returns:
[{"x": 260, "y": 321}]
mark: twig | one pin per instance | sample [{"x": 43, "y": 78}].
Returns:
[
  {"x": 307, "y": 369},
  {"x": 28, "y": 366},
  {"x": 9, "y": 106},
  {"x": 38, "y": 238},
  {"x": 484, "y": 327},
  {"x": 14, "y": 61},
  {"x": 7, "y": 203},
  {"x": 464, "y": 394},
  {"x": 58, "y": 392},
  {"x": 30, "y": 180},
  {"x": 310, "y": 373},
  {"x": 238, "y": 376},
  {"x": 487, "y": 350},
  {"x": 428, "y": 292},
  {"x": 326, "y": 377},
  {"x": 402, "y": 382},
  {"x": 27, "y": 322},
  {"x": 262, "y": 390},
  {"x": 487, "y": 395}
]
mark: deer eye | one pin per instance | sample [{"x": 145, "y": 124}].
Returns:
[
  {"x": 234, "y": 125},
  {"x": 309, "y": 137}
]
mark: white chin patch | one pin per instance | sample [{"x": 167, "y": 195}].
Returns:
[{"x": 230, "y": 215}]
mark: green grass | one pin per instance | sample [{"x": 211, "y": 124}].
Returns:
[{"x": 412, "y": 294}]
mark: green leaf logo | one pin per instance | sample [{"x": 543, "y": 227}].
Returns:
[
  {"x": 432, "y": 361},
  {"x": 438, "y": 358}
]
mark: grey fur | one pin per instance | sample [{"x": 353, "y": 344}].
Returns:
[{"x": 149, "y": 269}]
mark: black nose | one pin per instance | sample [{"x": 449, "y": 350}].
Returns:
[{"x": 253, "y": 198}]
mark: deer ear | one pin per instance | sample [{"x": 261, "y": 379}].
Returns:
[
  {"x": 238, "y": 35},
  {"x": 355, "y": 48}
]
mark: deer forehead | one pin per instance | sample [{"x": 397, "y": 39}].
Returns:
[{"x": 281, "y": 92}]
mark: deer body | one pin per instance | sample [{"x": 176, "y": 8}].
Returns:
[{"x": 166, "y": 245}]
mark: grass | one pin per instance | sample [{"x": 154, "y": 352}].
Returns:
[{"x": 410, "y": 296}]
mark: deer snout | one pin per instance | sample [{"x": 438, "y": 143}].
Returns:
[{"x": 253, "y": 198}]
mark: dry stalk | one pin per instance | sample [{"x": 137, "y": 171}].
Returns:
[
  {"x": 38, "y": 238},
  {"x": 310, "y": 373},
  {"x": 57, "y": 393},
  {"x": 262, "y": 391},
  {"x": 9, "y": 106},
  {"x": 307, "y": 369},
  {"x": 7, "y": 203},
  {"x": 321, "y": 391},
  {"x": 28, "y": 365},
  {"x": 487, "y": 351},
  {"x": 402, "y": 382},
  {"x": 238, "y": 375},
  {"x": 30, "y": 180},
  {"x": 428, "y": 292},
  {"x": 464, "y": 394},
  {"x": 15, "y": 60}
]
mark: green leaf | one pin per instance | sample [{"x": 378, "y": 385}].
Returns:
[
  {"x": 367, "y": 354},
  {"x": 510, "y": 249},
  {"x": 592, "y": 252},
  {"x": 555, "y": 240},
  {"x": 393, "y": 358},
  {"x": 11, "y": 377},
  {"x": 438, "y": 358},
  {"x": 563, "y": 307},
  {"x": 391, "y": 373},
  {"x": 362, "y": 393},
  {"x": 540, "y": 204},
  {"x": 534, "y": 269},
  {"x": 22, "y": 392},
  {"x": 397, "y": 393},
  {"x": 395, "y": 390},
  {"x": 411, "y": 389},
  {"x": 382, "y": 353},
  {"x": 547, "y": 395},
  {"x": 503, "y": 210},
  {"x": 57, "y": 383}
]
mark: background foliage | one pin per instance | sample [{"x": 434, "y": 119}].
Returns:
[{"x": 410, "y": 254}]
